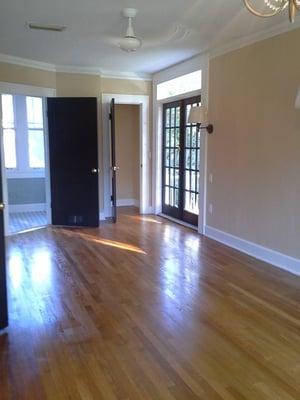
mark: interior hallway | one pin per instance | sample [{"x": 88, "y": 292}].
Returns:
[{"x": 146, "y": 309}]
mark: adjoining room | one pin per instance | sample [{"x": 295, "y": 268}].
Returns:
[
  {"x": 127, "y": 120},
  {"x": 24, "y": 175}
]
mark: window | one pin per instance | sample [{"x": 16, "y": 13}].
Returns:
[
  {"x": 23, "y": 135},
  {"x": 9, "y": 133},
  {"x": 36, "y": 151},
  {"x": 183, "y": 84}
]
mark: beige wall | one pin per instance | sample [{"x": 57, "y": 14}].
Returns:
[
  {"x": 254, "y": 153},
  {"x": 77, "y": 85},
  {"x": 27, "y": 76},
  {"x": 125, "y": 86},
  {"x": 127, "y": 151}
]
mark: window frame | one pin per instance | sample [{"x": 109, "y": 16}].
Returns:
[
  {"x": 23, "y": 169},
  {"x": 14, "y": 128},
  {"x": 35, "y": 129}
]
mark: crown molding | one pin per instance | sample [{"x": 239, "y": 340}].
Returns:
[
  {"x": 25, "y": 62},
  {"x": 126, "y": 75},
  {"x": 254, "y": 38},
  {"x": 69, "y": 69}
]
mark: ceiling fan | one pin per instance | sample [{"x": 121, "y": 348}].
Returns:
[{"x": 130, "y": 42}]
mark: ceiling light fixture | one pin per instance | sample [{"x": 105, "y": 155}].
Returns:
[
  {"x": 274, "y": 7},
  {"x": 42, "y": 27},
  {"x": 130, "y": 42}
]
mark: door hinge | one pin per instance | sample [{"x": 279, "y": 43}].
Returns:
[
  {"x": 110, "y": 116},
  {"x": 112, "y": 198}
]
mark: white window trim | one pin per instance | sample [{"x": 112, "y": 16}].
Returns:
[{"x": 23, "y": 170}]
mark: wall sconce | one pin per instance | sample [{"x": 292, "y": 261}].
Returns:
[{"x": 198, "y": 115}]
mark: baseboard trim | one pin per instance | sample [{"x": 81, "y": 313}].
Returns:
[
  {"x": 128, "y": 203},
  {"x": 15, "y": 208},
  {"x": 273, "y": 257}
]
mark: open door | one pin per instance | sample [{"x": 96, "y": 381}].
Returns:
[
  {"x": 73, "y": 154},
  {"x": 114, "y": 168},
  {"x": 3, "y": 290}
]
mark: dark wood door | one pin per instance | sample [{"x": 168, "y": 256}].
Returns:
[
  {"x": 113, "y": 161},
  {"x": 181, "y": 162},
  {"x": 3, "y": 290},
  {"x": 73, "y": 151}
]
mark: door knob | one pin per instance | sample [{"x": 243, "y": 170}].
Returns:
[
  {"x": 2, "y": 206},
  {"x": 95, "y": 170},
  {"x": 115, "y": 168}
]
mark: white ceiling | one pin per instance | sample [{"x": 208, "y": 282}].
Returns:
[{"x": 172, "y": 31}]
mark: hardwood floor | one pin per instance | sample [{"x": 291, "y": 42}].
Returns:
[{"x": 146, "y": 309}]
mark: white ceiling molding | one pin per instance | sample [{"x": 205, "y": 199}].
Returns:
[
  {"x": 69, "y": 69},
  {"x": 126, "y": 75},
  {"x": 24, "y": 62},
  {"x": 254, "y": 38}
]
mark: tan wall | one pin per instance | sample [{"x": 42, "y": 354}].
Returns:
[
  {"x": 125, "y": 86},
  {"x": 27, "y": 76},
  {"x": 77, "y": 85},
  {"x": 127, "y": 151},
  {"x": 254, "y": 153}
]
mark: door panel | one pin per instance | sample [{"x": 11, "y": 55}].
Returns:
[
  {"x": 171, "y": 160},
  {"x": 73, "y": 153},
  {"x": 191, "y": 172},
  {"x": 3, "y": 289},
  {"x": 181, "y": 162},
  {"x": 113, "y": 161}
]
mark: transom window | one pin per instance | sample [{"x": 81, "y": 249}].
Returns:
[{"x": 183, "y": 84}]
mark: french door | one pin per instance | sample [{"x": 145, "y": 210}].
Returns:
[{"x": 181, "y": 162}]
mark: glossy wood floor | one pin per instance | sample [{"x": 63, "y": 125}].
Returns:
[{"x": 146, "y": 309}]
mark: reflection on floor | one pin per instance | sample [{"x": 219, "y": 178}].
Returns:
[
  {"x": 22, "y": 221},
  {"x": 145, "y": 309}
]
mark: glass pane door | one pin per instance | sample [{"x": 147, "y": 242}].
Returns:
[
  {"x": 181, "y": 162},
  {"x": 191, "y": 166},
  {"x": 171, "y": 159}
]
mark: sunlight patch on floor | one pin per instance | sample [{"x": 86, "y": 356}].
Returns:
[
  {"x": 146, "y": 219},
  {"x": 113, "y": 243}
]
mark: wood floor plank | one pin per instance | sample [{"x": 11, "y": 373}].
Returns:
[{"x": 146, "y": 309}]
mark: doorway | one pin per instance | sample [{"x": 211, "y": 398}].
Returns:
[
  {"x": 127, "y": 137},
  {"x": 24, "y": 156},
  {"x": 144, "y": 154},
  {"x": 180, "y": 162}
]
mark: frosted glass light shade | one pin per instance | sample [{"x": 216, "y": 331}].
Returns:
[
  {"x": 198, "y": 115},
  {"x": 130, "y": 44}
]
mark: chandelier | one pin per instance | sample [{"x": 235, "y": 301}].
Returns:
[{"x": 273, "y": 7}]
